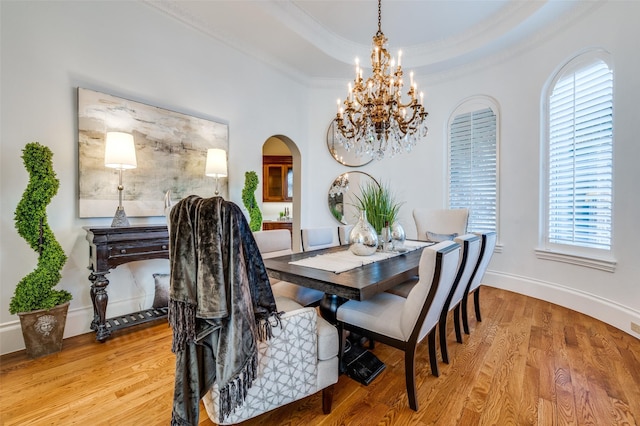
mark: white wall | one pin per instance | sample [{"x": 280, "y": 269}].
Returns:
[
  {"x": 130, "y": 50},
  {"x": 50, "y": 48},
  {"x": 517, "y": 82}
]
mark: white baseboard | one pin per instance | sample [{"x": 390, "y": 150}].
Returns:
[
  {"x": 605, "y": 310},
  {"x": 78, "y": 322},
  {"x": 612, "y": 313}
]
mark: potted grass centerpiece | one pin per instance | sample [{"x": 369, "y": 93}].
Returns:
[{"x": 381, "y": 208}]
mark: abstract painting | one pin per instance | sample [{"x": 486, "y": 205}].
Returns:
[{"x": 171, "y": 152}]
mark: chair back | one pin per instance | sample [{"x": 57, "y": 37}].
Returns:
[
  {"x": 343, "y": 234},
  {"x": 440, "y": 224},
  {"x": 437, "y": 270},
  {"x": 317, "y": 238},
  {"x": 470, "y": 253},
  {"x": 273, "y": 242},
  {"x": 486, "y": 252}
]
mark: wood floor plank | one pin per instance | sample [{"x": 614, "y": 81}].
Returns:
[{"x": 528, "y": 362}]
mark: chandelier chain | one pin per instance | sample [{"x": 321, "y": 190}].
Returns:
[{"x": 379, "y": 17}]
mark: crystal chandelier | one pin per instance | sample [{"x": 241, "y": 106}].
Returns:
[
  {"x": 340, "y": 186},
  {"x": 375, "y": 119}
]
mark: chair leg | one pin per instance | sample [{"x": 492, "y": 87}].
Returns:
[
  {"x": 410, "y": 378},
  {"x": 456, "y": 323},
  {"x": 465, "y": 317},
  {"x": 342, "y": 341},
  {"x": 443, "y": 337},
  {"x": 432, "y": 353},
  {"x": 327, "y": 399},
  {"x": 476, "y": 302}
]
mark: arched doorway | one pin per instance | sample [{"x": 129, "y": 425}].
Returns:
[{"x": 282, "y": 146}]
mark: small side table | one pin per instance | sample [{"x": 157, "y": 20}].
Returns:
[{"x": 110, "y": 247}]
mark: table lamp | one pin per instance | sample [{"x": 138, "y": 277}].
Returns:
[
  {"x": 120, "y": 154},
  {"x": 216, "y": 165}
]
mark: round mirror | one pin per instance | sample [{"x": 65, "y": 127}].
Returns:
[
  {"x": 340, "y": 154},
  {"x": 342, "y": 195}
]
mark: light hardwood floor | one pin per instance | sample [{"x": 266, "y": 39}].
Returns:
[{"x": 528, "y": 362}]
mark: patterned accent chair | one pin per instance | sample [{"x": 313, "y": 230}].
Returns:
[{"x": 298, "y": 361}]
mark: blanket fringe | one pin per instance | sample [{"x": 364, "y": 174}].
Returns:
[
  {"x": 177, "y": 421},
  {"x": 265, "y": 327},
  {"x": 182, "y": 319},
  {"x": 233, "y": 394}
]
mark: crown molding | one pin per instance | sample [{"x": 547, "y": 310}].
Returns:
[
  {"x": 577, "y": 13},
  {"x": 439, "y": 61},
  {"x": 303, "y": 24},
  {"x": 422, "y": 55},
  {"x": 481, "y": 35},
  {"x": 176, "y": 11}
]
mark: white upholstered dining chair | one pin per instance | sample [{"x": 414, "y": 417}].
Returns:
[
  {"x": 277, "y": 242},
  {"x": 440, "y": 224},
  {"x": 404, "y": 322},
  {"x": 487, "y": 247},
  {"x": 319, "y": 237},
  {"x": 470, "y": 250}
]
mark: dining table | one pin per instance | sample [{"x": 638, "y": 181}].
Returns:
[{"x": 355, "y": 283}]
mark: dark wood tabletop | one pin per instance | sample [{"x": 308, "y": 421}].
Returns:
[{"x": 358, "y": 284}]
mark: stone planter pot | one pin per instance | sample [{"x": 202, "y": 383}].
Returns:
[{"x": 43, "y": 330}]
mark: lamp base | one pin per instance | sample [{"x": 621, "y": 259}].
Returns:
[{"x": 120, "y": 218}]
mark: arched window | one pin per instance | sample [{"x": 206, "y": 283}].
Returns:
[
  {"x": 578, "y": 147},
  {"x": 473, "y": 162}
]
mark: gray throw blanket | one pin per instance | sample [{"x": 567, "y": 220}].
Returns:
[{"x": 220, "y": 304}]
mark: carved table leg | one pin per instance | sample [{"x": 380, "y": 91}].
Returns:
[{"x": 99, "y": 299}]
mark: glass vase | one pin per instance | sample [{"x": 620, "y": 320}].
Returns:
[
  {"x": 384, "y": 239},
  {"x": 363, "y": 237},
  {"x": 398, "y": 236}
]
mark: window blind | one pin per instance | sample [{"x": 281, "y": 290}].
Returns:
[
  {"x": 580, "y": 158},
  {"x": 472, "y": 168}
]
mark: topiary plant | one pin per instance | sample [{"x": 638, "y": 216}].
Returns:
[
  {"x": 249, "y": 200},
  {"x": 35, "y": 291}
]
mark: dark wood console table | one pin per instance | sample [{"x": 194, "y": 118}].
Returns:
[{"x": 110, "y": 247}]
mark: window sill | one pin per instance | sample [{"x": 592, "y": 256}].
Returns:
[{"x": 607, "y": 265}]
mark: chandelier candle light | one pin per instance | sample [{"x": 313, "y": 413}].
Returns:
[
  {"x": 216, "y": 165},
  {"x": 375, "y": 121},
  {"x": 120, "y": 154}
]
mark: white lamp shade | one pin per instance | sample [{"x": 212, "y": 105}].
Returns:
[
  {"x": 216, "y": 163},
  {"x": 120, "y": 151}
]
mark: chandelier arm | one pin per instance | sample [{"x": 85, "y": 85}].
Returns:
[
  {"x": 412, "y": 123},
  {"x": 349, "y": 130},
  {"x": 347, "y": 133}
]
